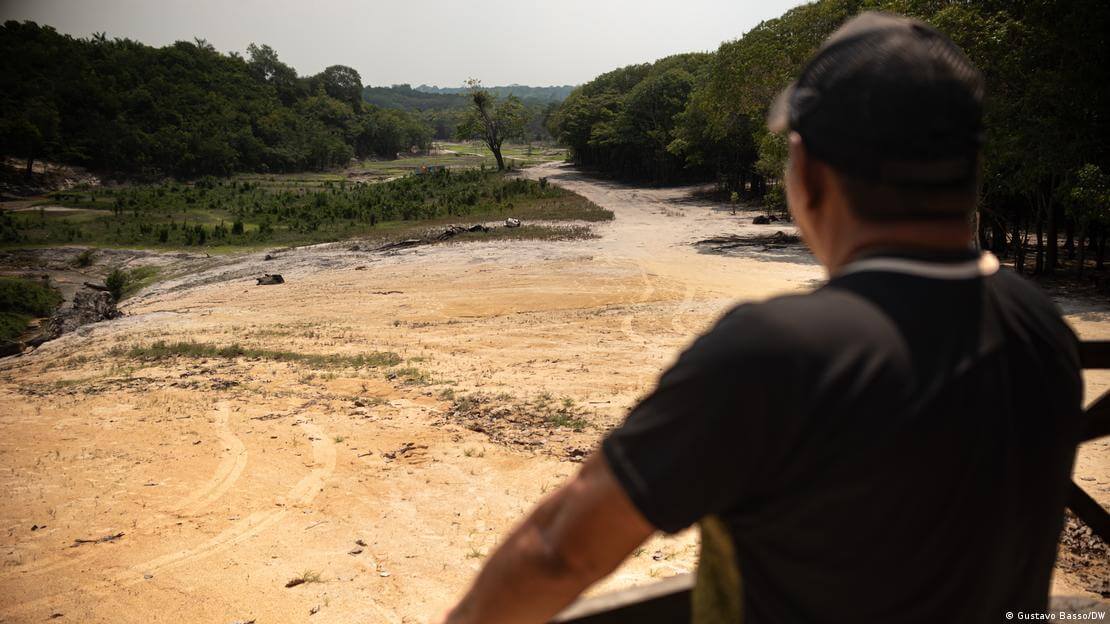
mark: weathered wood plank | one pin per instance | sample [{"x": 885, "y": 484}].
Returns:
[{"x": 663, "y": 602}]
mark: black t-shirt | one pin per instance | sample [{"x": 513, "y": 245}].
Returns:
[{"x": 894, "y": 447}]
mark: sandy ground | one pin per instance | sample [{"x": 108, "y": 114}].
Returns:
[{"x": 228, "y": 478}]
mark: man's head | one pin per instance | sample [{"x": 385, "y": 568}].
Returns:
[{"x": 885, "y": 128}]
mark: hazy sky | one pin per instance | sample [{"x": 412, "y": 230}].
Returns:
[{"x": 440, "y": 42}]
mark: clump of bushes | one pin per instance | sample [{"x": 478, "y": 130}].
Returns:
[
  {"x": 85, "y": 258},
  {"x": 22, "y": 300},
  {"x": 122, "y": 283},
  {"x": 214, "y": 212}
]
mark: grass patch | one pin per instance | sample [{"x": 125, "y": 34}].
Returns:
[
  {"x": 540, "y": 421},
  {"x": 12, "y": 325},
  {"x": 252, "y": 211},
  {"x": 308, "y": 576},
  {"x": 528, "y": 232},
  {"x": 22, "y": 300},
  {"x": 162, "y": 350},
  {"x": 411, "y": 375},
  {"x": 561, "y": 413},
  {"x": 122, "y": 284}
]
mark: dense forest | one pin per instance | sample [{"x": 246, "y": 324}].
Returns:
[
  {"x": 443, "y": 109},
  {"x": 1047, "y": 157},
  {"x": 527, "y": 94},
  {"x": 186, "y": 110}
]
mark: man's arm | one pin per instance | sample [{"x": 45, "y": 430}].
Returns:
[{"x": 572, "y": 539}]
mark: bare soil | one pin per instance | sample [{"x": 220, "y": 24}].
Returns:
[{"x": 147, "y": 490}]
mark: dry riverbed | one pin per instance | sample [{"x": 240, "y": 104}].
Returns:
[{"x": 384, "y": 418}]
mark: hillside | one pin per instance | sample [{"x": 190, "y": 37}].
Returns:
[
  {"x": 524, "y": 92},
  {"x": 184, "y": 109}
]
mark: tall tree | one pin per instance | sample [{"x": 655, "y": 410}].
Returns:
[{"x": 492, "y": 121}]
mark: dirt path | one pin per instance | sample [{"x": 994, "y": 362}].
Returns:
[{"x": 229, "y": 478}]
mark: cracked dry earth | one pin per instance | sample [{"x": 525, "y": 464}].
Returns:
[{"x": 383, "y": 488}]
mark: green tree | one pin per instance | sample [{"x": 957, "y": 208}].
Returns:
[
  {"x": 343, "y": 83},
  {"x": 492, "y": 121},
  {"x": 32, "y": 132},
  {"x": 1089, "y": 206}
]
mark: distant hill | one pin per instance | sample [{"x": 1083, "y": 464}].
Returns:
[
  {"x": 428, "y": 98},
  {"x": 404, "y": 97},
  {"x": 442, "y": 107},
  {"x": 524, "y": 92}
]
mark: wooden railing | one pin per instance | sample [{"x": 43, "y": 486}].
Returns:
[{"x": 668, "y": 601}]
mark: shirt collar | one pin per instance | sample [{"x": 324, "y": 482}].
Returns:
[{"x": 948, "y": 267}]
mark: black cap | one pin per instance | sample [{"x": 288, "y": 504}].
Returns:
[{"x": 890, "y": 99}]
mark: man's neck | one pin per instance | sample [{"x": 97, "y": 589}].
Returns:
[{"x": 917, "y": 237}]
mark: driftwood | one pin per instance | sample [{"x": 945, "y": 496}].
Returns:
[
  {"x": 100, "y": 287},
  {"x": 270, "y": 279},
  {"x": 512, "y": 223},
  {"x": 779, "y": 239},
  {"x": 403, "y": 449},
  {"x": 412, "y": 242},
  {"x": 455, "y": 230},
  {"x": 99, "y": 540}
]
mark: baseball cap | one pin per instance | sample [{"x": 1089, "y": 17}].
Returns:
[{"x": 890, "y": 99}]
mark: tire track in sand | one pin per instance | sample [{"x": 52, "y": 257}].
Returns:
[
  {"x": 681, "y": 327},
  {"x": 645, "y": 293},
  {"x": 302, "y": 493},
  {"x": 231, "y": 466}
]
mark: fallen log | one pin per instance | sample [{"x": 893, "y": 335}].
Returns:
[
  {"x": 99, "y": 540},
  {"x": 270, "y": 279},
  {"x": 411, "y": 242}
]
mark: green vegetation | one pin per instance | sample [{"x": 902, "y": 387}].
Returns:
[
  {"x": 443, "y": 109},
  {"x": 702, "y": 116},
  {"x": 162, "y": 350},
  {"x": 216, "y": 212},
  {"x": 450, "y": 154},
  {"x": 1089, "y": 208},
  {"x": 623, "y": 121},
  {"x": 526, "y": 94},
  {"x": 184, "y": 109},
  {"x": 491, "y": 120},
  {"x": 22, "y": 300},
  {"x": 503, "y": 410},
  {"x": 124, "y": 283}
]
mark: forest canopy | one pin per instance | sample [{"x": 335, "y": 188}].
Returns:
[
  {"x": 444, "y": 108},
  {"x": 701, "y": 116},
  {"x": 184, "y": 109}
]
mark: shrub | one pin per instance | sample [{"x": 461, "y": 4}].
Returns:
[
  {"x": 20, "y": 301},
  {"x": 116, "y": 283},
  {"x": 29, "y": 297},
  {"x": 85, "y": 258}
]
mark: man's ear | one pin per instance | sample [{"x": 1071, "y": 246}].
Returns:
[{"x": 808, "y": 174}]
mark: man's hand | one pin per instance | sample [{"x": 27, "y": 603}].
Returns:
[{"x": 572, "y": 539}]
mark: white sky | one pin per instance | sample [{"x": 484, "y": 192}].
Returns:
[{"x": 440, "y": 42}]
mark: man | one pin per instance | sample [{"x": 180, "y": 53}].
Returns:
[{"x": 894, "y": 447}]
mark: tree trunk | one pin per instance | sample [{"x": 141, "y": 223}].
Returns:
[
  {"x": 998, "y": 238},
  {"x": 1100, "y": 255},
  {"x": 496, "y": 149},
  {"x": 1053, "y": 238},
  {"x": 1069, "y": 232},
  {"x": 1038, "y": 265},
  {"x": 1082, "y": 251},
  {"x": 1019, "y": 248},
  {"x": 30, "y": 165},
  {"x": 982, "y": 240}
]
